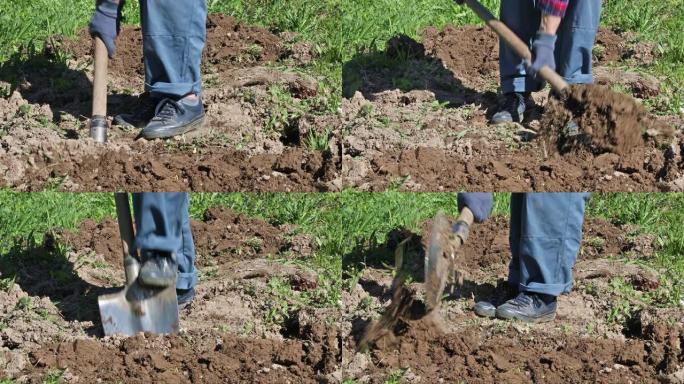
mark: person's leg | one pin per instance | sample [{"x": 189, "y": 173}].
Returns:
[
  {"x": 187, "y": 274},
  {"x": 164, "y": 239},
  {"x": 523, "y": 18},
  {"x": 550, "y": 240},
  {"x": 576, "y": 37},
  {"x": 514, "y": 238},
  {"x": 174, "y": 33},
  {"x": 550, "y": 236}
]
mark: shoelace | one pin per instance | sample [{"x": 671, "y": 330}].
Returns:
[
  {"x": 167, "y": 109},
  {"x": 522, "y": 300}
]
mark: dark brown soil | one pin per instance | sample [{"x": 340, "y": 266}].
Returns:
[
  {"x": 498, "y": 169},
  {"x": 455, "y": 345},
  {"x": 208, "y": 357},
  {"x": 223, "y": 235},
  {"x": 479, "y": 67},
  {"x": 224, "y": 337},
  {"x": 230, "y": 44},
  {"x": 480, "y": 356},
  {"x": 156, "y": 169},
  {"x": 243, "y": 146}
]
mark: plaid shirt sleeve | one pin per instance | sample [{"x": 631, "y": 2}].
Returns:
[{"x": 553, "y": 7}]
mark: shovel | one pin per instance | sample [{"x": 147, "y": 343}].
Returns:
[
  {"x": 521, "y": 49},
  {"x": 442, "y": 247},
  {"x": 98, "y": 119},
  {"x": 136, "y": 308}
]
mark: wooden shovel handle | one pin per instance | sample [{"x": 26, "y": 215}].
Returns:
[
  {"x": 516, "y": 44},
  {"x": 100, "y": 78}
]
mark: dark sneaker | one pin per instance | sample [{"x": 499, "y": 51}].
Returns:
[
  {"x": 185, "y": 297},
  {"x": 513, "y": 108},
  {"x": 142, "y": 115},
  {"x": 529, "y": 307},
  {"x": 503, "y": 293},
  {"x": 172, "y": 118},
  {"x": 158, "y": 270}
]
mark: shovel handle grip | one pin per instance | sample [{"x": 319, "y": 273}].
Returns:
[
  {"x": 516, "y": 44},
  {"x": 123, "y": 216}
]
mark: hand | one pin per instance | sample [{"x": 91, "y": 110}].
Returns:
[
  {"x": 480, "y": 203},
  {"x": 106, "y": 23},
  {"x": 543, "y": 48}
]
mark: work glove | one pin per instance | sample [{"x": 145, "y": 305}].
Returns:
[
  {"x": 106, "y": 23},
  {"x": 542, "y": 48},
  {"x": 480, "y": 203}
]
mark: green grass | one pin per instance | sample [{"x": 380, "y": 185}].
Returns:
[{"x": 341, "y": 29}]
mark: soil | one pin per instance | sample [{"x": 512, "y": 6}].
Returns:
[
  {"x": 423, "y": 125},
  {"x": 50, "y": 319},
  {"x": 251, "y": 139},
  {"x": 455, "y": 345}
]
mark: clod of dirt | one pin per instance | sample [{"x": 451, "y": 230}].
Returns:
[
  {"x": 470, "y": 52},
  {"x": 614, "y": 121},
  {"x": 224, "y": 235}
]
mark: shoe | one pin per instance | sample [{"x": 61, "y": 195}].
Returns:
[
  {"x": 141, "y": 116},
  {"x": 504, "y": 292},
  {"x": 185, "y": 297},
  {"x": 513, "y": 108},
  {"x": 529, "y": 307},
  {"x": 158, "y": 269},
  {"x": 172, "y": 118}
]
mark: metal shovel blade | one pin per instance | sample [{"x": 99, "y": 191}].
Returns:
[
  {"x": 138, "y": 309},
  {"x": 437, "y": 265}
]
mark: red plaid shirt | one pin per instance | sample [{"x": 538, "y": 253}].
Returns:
[{"x": 553, "y": 7}]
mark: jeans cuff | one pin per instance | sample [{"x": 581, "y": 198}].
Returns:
[
  {"x": 161, "y": 90},
  {"x": 546, "y": 289},
  {"x": 186, "y": 280}
]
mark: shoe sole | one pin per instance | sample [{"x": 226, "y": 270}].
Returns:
[
  {"x": 527, "y": 319},
  {"x": 176, "y": 132}
]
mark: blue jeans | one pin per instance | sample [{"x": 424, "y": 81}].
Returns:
[
  {"x": 576, "y": 36},
  {"x": 174, "y": 33},
  {"x": 163, "y": 224},
  {"x": 545, "y": 237}
]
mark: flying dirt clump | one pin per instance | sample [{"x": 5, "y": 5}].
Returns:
[{"x": 614, "y": 121}]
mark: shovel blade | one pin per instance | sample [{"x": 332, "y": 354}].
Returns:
[
  {"x": 437, "y": 266},
  {"x": 137, "y": 309}
]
